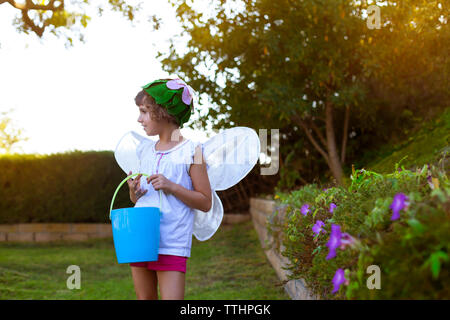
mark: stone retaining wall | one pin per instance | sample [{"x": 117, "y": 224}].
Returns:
[
  {"x": 261, "y": 210},
  {"x": 45, "y": 232}
]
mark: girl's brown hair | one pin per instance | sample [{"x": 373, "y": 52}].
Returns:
[{"x": 157, "y": 112}]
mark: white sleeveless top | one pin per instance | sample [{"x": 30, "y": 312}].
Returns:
[{"x": 177, "y": 219}]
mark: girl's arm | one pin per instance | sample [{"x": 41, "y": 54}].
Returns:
[{"x": 200, "y": 197}]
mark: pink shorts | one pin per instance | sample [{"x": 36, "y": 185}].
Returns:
[{"x": 165, "y": 263}]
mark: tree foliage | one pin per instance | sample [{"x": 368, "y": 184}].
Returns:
[
  {"x": 60, "y": 19},
  {"x": 313, "y": 64},
  {"x": 9, "y": 136}
]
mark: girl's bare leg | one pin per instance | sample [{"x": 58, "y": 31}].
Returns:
[
  {"x": 145, "y": 283},
  {"x": 171, "y": 285}
]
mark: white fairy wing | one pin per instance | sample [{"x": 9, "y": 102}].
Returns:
[
  {"x": 230, "y": 155},
  {"x": 127, "y": 151},
  {"x": 207, "y": 223}
]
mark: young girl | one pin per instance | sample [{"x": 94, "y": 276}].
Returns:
[{"x": 177, "y": 167}]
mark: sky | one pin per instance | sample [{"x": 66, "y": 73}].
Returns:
[{"x": 82, "y": 97}]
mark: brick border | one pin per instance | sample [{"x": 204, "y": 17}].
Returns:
[
  {"x": 234, "y": 218},
  {"x": 47, "y": 232},
  {"x": 261, "y": 210}
]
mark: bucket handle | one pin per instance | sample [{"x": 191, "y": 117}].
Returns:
[{"x": 125, "y": 180}]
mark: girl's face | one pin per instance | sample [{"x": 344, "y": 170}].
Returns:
[{"x": 151, "y": 127}]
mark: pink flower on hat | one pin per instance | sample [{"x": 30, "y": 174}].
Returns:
[{"x": 188, "y": 92}]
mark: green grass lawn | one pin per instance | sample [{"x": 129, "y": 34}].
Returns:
[{"x": 231, "y": 265}]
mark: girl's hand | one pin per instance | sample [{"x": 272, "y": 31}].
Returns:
[
  {"x": 160, "y": 182},
  {"x": 135, "y": 188}
]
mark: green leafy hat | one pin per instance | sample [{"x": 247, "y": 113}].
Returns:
[{"x": 175, "y": 95}]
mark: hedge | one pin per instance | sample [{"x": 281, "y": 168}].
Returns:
[{"x": 65, "y": 187}]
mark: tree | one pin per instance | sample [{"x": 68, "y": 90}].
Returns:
[
  {"x": 279, "y": 60},
  {"x": 306, "y": 63},
  {"x": 8, "y": 135},
  {"x": 407, "y": 63},
  {"x": 55, "y": 17}
]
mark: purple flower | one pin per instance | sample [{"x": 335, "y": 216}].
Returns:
[
  {"x": 304, "y": 209},
  {"x": 399, "y": 203},
  {"x": 334, "y": 242},
  {"x": 317, "y": 228},
  {"x": 332, "y": 207},
  {"x": 346, "y": 240},
  {"x": 188, "y": 92},
  {"x": 338, "y": 280},
  {"x": 433, "y": 182},
  {"x": 430, "y": 182}
]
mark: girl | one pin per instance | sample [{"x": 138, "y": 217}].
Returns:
[{"x": 179, "y": 170}]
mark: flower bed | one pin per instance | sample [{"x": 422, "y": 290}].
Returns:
[{"x": 336, "y": 239}]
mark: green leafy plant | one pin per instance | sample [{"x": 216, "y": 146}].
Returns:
[{"x": 411, "y": 249}]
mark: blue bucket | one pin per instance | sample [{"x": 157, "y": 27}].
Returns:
[{"x": 135, "y": 231}]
